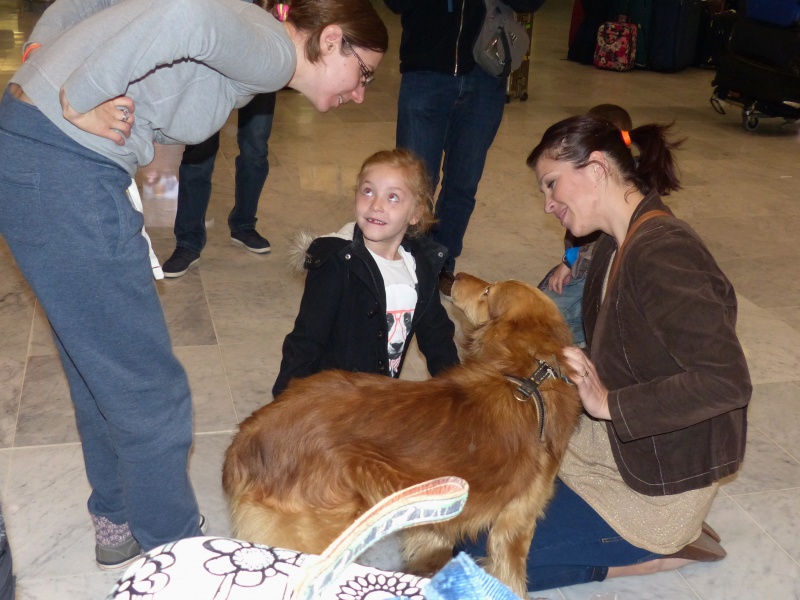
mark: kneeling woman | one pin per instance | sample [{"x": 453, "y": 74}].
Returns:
[{"x": 663, "y": 380}]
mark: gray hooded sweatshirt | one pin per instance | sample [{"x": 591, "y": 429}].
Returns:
[{"x": 185, "y": 63}]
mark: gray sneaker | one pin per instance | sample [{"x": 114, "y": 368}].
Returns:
[
  {"x": 110, "y": 558},
  {"x": 180, "y": 261}
]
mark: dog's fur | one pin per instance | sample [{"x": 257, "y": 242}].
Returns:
[{"x": 304, "y": 467}]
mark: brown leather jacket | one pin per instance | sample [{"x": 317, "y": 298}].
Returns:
[{"x": 664, "y": 343}]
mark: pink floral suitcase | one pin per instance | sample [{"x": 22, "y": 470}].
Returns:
[{"x": 616, "y": 45}]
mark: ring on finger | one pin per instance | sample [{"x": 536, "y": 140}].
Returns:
[{"x": 126, "y": 114}]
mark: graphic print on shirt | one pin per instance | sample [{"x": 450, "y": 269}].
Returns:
[
  {"x": 399, "y": 280},
  {"x": 399, "y": 322}
]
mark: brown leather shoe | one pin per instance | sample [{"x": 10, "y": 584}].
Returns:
[
  {"x": 709, "y": 531},
  {"x": 703, "y": 549}
]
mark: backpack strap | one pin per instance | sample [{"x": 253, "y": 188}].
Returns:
[
  {"x": 631, "y": 230},
  {"x": 428, "y": 502}
]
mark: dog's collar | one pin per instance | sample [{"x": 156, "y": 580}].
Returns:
[{"x": 529, "y": 387}]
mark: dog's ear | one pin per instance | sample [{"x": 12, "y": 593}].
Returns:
[
  {"x": 509, "y": 299},
  {"x": 528, "y": 308}
]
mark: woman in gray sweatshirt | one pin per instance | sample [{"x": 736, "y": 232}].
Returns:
[{"x": 102, "y": 81}]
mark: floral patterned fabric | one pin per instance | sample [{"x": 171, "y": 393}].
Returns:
[
  {"x": 616, "y": 46},
  {"x": 213, "y": 568}
]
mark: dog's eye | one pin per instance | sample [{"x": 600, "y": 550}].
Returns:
[{"x": 486, "y": 293}]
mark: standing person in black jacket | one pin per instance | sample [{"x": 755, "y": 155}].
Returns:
[{"x": 449, "y": 109}]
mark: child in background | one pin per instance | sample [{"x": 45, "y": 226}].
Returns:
[
  {"x": 564, "y": 282},
  {"x": 369, "y": 289}
]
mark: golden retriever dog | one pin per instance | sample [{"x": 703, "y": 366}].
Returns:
[{"x": 303, "y": 468}]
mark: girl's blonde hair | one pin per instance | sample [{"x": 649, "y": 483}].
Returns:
[{"x": 416, "y": 179}]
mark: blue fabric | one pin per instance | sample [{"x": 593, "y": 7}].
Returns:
[
  {"x": 455, "y": 117},
  {"x": 570, "y": 303},
  {"x": 252, "y": 168},
  {"x": 7, "y": 579},
  {"x": 462, "y": 579},
  {"x": 65, "y": 214},
  {"x": 572, "y": 544},
  {"x": 572, "y": 254}
]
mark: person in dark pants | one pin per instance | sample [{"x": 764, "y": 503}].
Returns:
[
  {"x": 194, "y": 187},
  {"x": 70, "y": 145},
  {"x": 449, "y": 109},
  {"x": 7, "y": 579}
]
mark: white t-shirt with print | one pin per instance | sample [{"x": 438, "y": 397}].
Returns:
[{"x": 400, "y": 279}]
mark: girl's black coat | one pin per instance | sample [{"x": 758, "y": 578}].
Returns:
[{"x": 342, "y": 318}]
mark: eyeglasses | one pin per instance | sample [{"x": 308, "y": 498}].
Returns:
[{"x": 367, "y": 74}]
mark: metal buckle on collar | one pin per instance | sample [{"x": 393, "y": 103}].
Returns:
[{"x": 529, "y": 388}]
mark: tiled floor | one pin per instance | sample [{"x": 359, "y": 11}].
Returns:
[{"x": 228, "y": 317}]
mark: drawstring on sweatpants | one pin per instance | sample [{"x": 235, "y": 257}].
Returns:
[{"x": 136, "y": 201}]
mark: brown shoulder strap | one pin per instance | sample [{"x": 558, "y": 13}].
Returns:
[{"x": 636, "y": 224}]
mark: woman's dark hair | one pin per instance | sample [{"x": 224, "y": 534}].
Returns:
[
  {"x": 574, "y": 139},
  {"x": 361, "y": 25}
]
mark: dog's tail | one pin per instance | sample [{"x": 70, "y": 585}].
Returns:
[{"x": 243, "y": 465}]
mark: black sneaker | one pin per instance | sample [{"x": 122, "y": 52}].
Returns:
[
  {"x": 180, "y": 261},
  {"x": 252, "y": 240}
]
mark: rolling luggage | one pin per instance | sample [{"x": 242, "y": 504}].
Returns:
[
  {"x": 760, "y": 72},
  {"x": 673, "y": 39},
  {"x": 587, "y": 17},
  {"x": 756, "y": 81},
  {"x": 640, "y": 13},
  {"x": 715, "y": 31},
  {"x": 616, "y": 45},
  {"x": 774, "y": 46}
]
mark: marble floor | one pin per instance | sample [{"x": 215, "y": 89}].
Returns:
[{"x": 228, "y": 316}]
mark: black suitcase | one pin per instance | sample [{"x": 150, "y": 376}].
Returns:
[
  {"x": 770, "y": 45},
  {"x": 639, "y": 12},
  {"x": 673, "y": 38},
  {"x": 590, "y": 15},
  {"x": 756, "y": 80},
  {"x": 761, "y": 90},
  {"x": 712, "y": 39}
]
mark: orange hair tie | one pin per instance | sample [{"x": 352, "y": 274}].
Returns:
[{"x": 626, "y": 137}]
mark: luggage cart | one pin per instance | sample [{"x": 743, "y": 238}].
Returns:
[{"x": 759, "y": 71}]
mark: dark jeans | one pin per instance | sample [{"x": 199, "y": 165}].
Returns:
[
  {"x": 7, "y": 579},
  {"x": 252, "y": 168},
  {"x": 572, "y": 545},
  {"x": 450, "y": 122}
]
